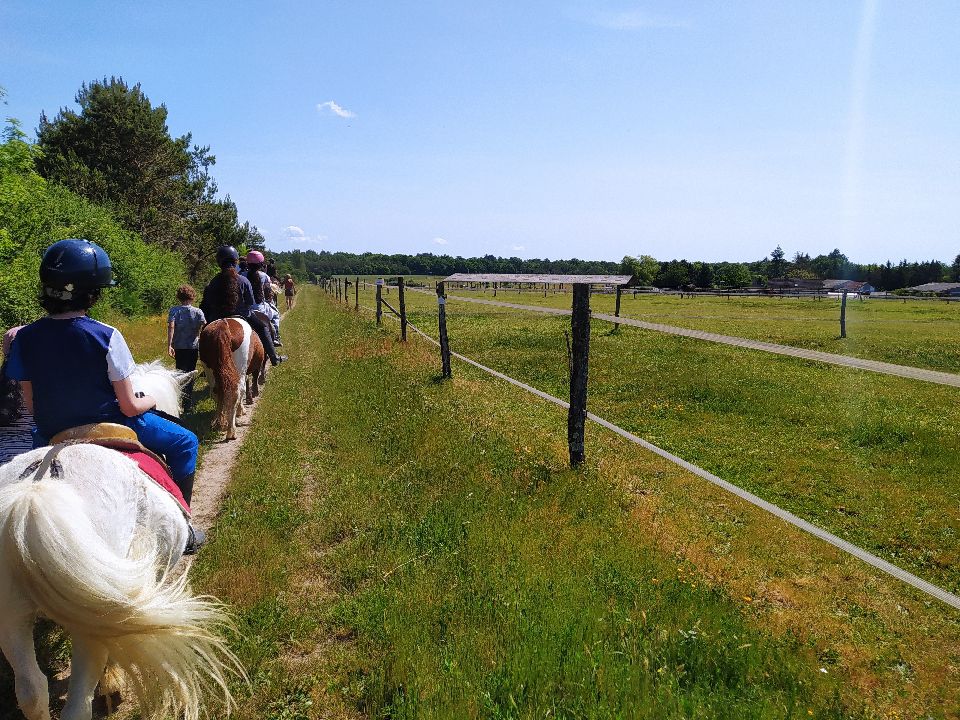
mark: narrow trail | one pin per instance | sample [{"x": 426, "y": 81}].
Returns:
[{"x": 215, "y": 470}]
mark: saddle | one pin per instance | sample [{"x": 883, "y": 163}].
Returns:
[{"x": 124, "y": 440}]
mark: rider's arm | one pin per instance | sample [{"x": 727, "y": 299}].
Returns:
[
  {"x": 26, "y": 389},
  {"x": 120, "y": 367},
  {"x": 130, "y": 405}
]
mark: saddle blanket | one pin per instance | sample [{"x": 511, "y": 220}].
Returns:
[{"x": 159, "y": 474}]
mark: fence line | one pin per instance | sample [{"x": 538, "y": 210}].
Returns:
[
  {"x": 784, "y": 515},
  {"x": 877, "y": 366}
]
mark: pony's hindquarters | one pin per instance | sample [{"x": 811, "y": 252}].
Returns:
[
  {"x": 224, "y": 349},
  {"x": 165, "y": 640}
]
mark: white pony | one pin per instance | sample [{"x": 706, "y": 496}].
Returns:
[{"x": 89, "y": 541}]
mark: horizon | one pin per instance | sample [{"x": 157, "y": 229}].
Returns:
[
  {"x": 546, "y": 129},
  {"x": 788, "y": 259}
]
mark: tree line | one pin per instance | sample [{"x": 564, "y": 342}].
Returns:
[
  {"x": 646, "y": 270},
  {"x": 110, "y": 171}
]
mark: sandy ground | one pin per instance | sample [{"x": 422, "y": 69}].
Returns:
[{"x": 215, "y": 472}]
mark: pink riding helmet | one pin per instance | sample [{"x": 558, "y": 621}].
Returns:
[{"x": 256, "y": 257}]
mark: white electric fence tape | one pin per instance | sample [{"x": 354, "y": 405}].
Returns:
[{"x": 858, "y": 552}]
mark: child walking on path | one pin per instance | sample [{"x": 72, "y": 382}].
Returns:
[{"x": 184, "y": 323}]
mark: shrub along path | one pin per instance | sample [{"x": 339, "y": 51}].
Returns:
[{"x": 397, "y": 546}]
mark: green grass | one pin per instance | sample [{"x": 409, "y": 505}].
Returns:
[
  {"x": 869, "y": 457},
  {"x": 920, "y": 333},
  {"x": 465, "y": 576}
]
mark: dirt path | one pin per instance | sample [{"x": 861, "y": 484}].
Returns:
[{"x": 214, "y": 472}]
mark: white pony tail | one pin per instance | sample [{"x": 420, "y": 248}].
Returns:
[{"x": 166, "y": 641}]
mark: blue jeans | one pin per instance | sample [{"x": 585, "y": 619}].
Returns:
[{"x": 177, "y": 444}]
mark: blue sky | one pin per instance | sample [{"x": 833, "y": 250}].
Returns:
[{"x": 704, "y": 130}]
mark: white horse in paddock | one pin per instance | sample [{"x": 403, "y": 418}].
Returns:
[{"x": 89, "y": 541}]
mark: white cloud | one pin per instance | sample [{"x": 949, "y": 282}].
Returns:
[
  {"x": 294, "y": 236},
  {"x": 439, "y": 241},
  {"x": 335, "y": 109},
  {"x": 637, "y": 20},
  {"x": 519, "y": 248}
]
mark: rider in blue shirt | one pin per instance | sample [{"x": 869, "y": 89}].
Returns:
[{"x": 74, "y": 370}]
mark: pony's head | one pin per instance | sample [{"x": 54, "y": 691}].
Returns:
[{"x": 164, "y": 384}]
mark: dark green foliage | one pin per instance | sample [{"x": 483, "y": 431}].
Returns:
[
  {"x": 35, "y": 213},
  {"x": 117, "y": 152},
  {"x": 646, "y": 270},
  {"x": 306, "y": 264}
]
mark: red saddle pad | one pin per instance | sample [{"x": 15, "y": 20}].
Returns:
[{"x": 159, "y": 474}]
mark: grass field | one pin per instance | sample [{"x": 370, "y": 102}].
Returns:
[
  {"x": 420, "y": 550},
  {"x": 867, "y": 456},
  {"x": 920, "y": 333},
  {"x": 463, "y": 574},
  {"x": 396, "y": 546}
]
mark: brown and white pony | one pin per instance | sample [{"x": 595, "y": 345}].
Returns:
[
  {"x": 256, "y": 369},
  {"x": 225, "y": 353}
]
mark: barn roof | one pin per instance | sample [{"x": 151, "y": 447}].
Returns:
[
  {"x": 935, "y": 287},
  {"x": 547, "y": 279}
]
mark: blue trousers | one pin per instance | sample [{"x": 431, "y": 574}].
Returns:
[{"x": 177, "y": 444}]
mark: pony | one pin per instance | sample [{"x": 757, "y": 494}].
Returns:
[
  {"x": 230, "y": 350},
  {"x": 256, "y": 374},
  {"x": 90, "y": 541}
]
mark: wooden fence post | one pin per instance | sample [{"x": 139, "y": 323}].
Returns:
[
  {"x": 444, "y": 342},
  {"x": 843, "y": 315},
  {"x": 617, "y": 311},
  {"x": 403, "y": 311},
  {"x": 379, "y": 301},
  {"x": 356, "y": 295},
  {"x": 580, "y": 330}
]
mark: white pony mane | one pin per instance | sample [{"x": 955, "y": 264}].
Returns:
[{"x": 154, "y": 378}]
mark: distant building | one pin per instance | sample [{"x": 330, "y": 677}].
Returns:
[
  {"x": 804, "y": 284},
  {"x": 851, "y": 286},
  {"x": 938, "y": 288}
]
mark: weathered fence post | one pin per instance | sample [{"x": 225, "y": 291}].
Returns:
[
  {"x": 580, "y": 329},
  {"x": 843, "y": 315},
  {"x": 617, "y": 310},
  {"x": 379, "y": 301},
  {"x": 444, "y": 342},
  {"x": 356, "y": 295},
  {"x": 403, "y": 311}
]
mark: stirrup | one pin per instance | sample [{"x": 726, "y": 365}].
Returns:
[{"x": 195, "y": 540}]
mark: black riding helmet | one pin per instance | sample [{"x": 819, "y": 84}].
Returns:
[
  {"x": 227, "y": 255},
  {"x": 74, "y": 266}
]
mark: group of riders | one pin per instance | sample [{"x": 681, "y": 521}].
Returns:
[{"x": 73, "y": 370}]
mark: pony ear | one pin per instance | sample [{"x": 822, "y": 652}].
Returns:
[{"x": 188, "y": 376}]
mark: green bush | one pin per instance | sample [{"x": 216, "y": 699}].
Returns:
[{"x": 35, "y": 213}]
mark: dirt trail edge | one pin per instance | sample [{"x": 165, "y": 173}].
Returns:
[{"x": 214, "y": 472}]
